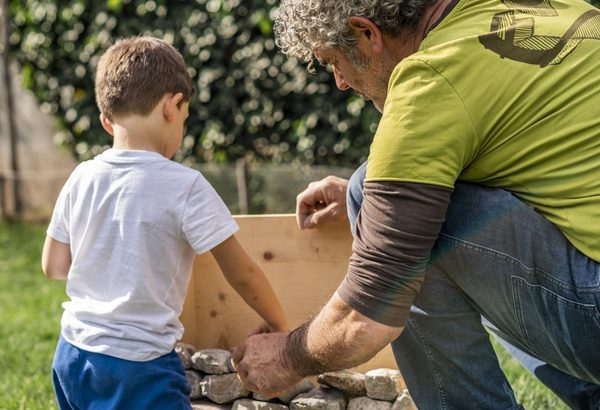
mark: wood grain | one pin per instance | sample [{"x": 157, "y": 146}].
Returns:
[{"x": 304, "y": 268}]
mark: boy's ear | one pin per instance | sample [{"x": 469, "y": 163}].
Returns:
[
  {"x": 367, "y": 33},
  {"x": 106, "y": 124},
  {"x": 171, "y": 106}
]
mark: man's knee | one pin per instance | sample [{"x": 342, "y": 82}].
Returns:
[{"x": 354, "y": 196}]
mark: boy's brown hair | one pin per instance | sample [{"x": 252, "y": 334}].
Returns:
[{"x": 135, "y": 73}]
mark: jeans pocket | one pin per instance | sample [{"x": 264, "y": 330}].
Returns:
[{"x": 558, "y": 329}]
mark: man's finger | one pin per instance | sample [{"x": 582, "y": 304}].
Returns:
[
  {"x": 324, "y": 215},
  {"x": 301, "y": 220},
  {"x": 307, "y": 202},
  {"x": 237, "y": 355}
]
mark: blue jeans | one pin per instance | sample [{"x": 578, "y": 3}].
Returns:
[
  {"x": 499, "y": 262},
  {"x": 94, "y": 381}
]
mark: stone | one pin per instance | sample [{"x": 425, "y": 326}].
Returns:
[
  {"x": 212, "y": 361},
  {"x": 302, "y": 386},
  {"x": 231, "y": 367},
  {"x": 194, "y": 379},
  {"x": 404, "y": 402},
  {"x": 319, "y": 399},
  {"x": 260, "y": 397},
  {"x": 209, "y": 405},
  {"x": 383, "y": 384},
  {"x": 366, "y": 403},
  {"x": 351, "y": 383},
  {"x": 246, "y": 404},
  {"x": 223, "y": 388},
  {"x": 185, "y": 352}
]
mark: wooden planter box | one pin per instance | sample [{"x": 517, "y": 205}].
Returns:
[{"x": 304, "y": 268}]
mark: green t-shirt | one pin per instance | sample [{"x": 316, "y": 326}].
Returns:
[{"x": 505, "y": 94}]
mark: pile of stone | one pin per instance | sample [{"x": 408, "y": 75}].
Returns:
[{"x": 216, "y": 386}]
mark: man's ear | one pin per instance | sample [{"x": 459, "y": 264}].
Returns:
[
  {"x": 171, "y": 105},
  {"x": 107, "y": 124},
  {"x": 367, "y": 33}
]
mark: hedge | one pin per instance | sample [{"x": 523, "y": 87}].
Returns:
[{"x": 253, "y": 102}]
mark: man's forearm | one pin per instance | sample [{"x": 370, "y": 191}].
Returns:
[{"x": 337, "y": 338}]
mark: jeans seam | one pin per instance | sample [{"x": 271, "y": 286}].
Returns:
[
  {"x": 511, "y": 259},
  {"x": 581, "y": 306},
  {"x": 519, "y": 312},
  {"x": 433, "y": 364}
]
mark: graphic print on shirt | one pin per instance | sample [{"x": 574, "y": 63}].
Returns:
[{"x": 513, "y": 37}]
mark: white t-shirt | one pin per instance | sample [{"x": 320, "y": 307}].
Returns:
[{"x": 134, "y": 220}]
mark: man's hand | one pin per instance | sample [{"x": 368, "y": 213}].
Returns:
[
  {"x": 322, "y": 202},
  {"x": 265, "y": 327},
  {"x": 261, "y": 364}
]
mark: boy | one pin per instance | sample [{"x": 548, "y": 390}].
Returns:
[{"x": 124, "y": 232}]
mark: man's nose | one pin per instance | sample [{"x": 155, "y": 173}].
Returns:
[{"x": 339, "y": 80}]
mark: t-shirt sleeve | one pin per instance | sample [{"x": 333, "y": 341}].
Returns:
[
  {"x": 395, "y": 231},
  {"x": 206, "y": 220},
  {"x": 58, "y": 229},
  {"x": 425, "y": 134}
]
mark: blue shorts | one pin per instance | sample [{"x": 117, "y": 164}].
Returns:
[{"x": 86, "y": 380}]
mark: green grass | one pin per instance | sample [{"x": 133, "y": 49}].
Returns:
[
  {"x": 529, "y": 391},
  {"x": 30, "y": 311}
]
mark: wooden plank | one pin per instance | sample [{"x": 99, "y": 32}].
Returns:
[{"x": 304, "y": 268}]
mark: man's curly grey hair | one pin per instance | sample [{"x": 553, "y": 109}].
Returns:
[{"x": 303, "y": 26}]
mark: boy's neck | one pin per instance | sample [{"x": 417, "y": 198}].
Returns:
[{"x": 138, "y": 133}]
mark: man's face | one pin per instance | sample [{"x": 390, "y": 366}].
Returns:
[{"x": 370, "y": 81}]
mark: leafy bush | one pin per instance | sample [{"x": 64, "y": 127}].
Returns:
[{"x": 252, "y": 100}]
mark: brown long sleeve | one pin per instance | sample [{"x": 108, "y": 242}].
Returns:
[{"x": 396, "y": 228}]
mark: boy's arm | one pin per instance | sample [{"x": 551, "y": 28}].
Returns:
[
  {"x": 249, "y": 281},
  {"x": 56, "y": 259}
]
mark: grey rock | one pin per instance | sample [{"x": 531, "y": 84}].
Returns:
[
  {"x": 185, "y": 352},
  {"x": 319, "y": 399},
  {"x": 260, "y": 397},
  {"x": 209, "y": 405},
  {"x": 351, "y": 383},
  {"x": 404, "y": 402},
  {"x": 302, "y": 386},
  {"x": 223, "y": 388},
  {"x": 383, "y": 384},
  {"x": 231, "y": 367},
  {"x": 246, "y": 404},
  {"x": 194, "y": 379},
  {"x": 212, "y": 361},
  {"x": 366, "y": 403}
]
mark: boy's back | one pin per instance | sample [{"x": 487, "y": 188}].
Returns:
[
  {"x": 123, "y": 234},
  {"x": 134, "y": 220}
]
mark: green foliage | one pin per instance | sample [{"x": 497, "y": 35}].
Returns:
[{"x": 252, "y": 100}]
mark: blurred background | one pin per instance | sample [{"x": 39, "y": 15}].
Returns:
[{"x": 260, "y": 128}]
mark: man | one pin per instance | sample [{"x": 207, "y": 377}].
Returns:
[{"x": 480, "y": 200}]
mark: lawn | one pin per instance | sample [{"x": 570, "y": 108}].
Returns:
[{"x": 30, "y": 311}]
